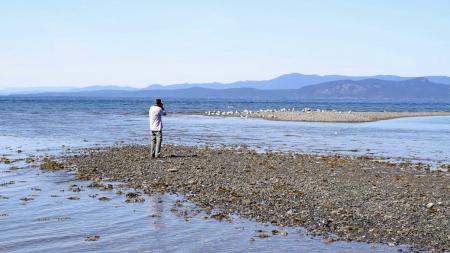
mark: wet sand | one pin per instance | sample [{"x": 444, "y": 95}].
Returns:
[
  {"x": 325, "y": 116},
  {"x": 341, "y": 198}
]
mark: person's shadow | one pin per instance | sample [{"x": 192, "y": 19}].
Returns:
[{"x": 179, "y": 156}]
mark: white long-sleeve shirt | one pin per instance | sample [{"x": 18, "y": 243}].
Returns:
[{"x": 155, "y": 114}]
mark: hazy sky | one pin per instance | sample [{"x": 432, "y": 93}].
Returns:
[{"x": 137, "y": 43}]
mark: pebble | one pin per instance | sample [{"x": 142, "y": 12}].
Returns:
[
  {"x": 48, "y": 164},
  {"x": 91, "y": 238}
]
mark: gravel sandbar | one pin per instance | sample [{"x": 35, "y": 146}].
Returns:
[
  {"x": 339, "y": 197},
  {"x": 330, "y": 116}
]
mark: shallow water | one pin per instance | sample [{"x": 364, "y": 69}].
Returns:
[
  {"x": 50, "y": 123},
  {"x": 422, "y": 139},
  {"x": 57, "y": 224},
  {"x": 51, "y": 222}
]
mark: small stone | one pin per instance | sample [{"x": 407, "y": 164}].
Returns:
[
  {"x": 430, "y": 205},
  {"x": 13, "y": 168},
  {"x": 91, "y": 238},
  {"x": 49, "y": 164},
  {"x": 75, "y": 189},
  {"x": 100, "y": 186},
  {"x": 139, "y": 199},
  {"x": 279, "y": 232},
  {"x": 263, "y": 235},
  {"x": 29, "y": 160},
  {"x": 328, "y": 240},
  {"x": 220, "y": 216},
  {"x": 132, "y": 195}
]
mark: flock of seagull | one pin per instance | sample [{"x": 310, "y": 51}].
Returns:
[{"x": 261, "y": 111}]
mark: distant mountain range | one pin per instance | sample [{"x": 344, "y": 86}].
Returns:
[
  {"x": 37, "y": 90},
  {"x": 291, "y": 86},
  {"x": 413, "y": 89},
  {"x": 291, "y": 81}
]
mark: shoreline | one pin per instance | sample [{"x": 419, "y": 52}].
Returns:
[
  {"x": 319, "y": 116},
  {"x": 339, "y": 197}
]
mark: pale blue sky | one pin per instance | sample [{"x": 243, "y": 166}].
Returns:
[{"x": 137, "y": 43}]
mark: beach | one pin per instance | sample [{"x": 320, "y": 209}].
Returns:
[
  {"x": 313, "y": 184},
  {"x": 322, "y": 115},
  {"x": 339, "y": 197}
]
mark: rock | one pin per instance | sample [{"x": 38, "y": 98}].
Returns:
[
  {"x": 328, "y": 240},
  {"x": 135, "y": 200},
  {"x": 7, "y": 183},
  {"x": 263, "y": 235},
  {"x": 75, "y": 189},
  {"x": 291, "y": 212},
  {"x": 279, "y": 232},
  {"x": 430, "y": 205},
  {"x": 104, "y": 199},
  {"x": 49, "y": 164},
  {"x": 220, "y": 216},
  {"x": 91, "y": 238},
  {"x": 133, "y": 197},
  {"x": 13, "y": 168},
  {"x": 5, "y": 160},
  {"x": 100, "y": 186},
  {"x": 29, "y": 160}
]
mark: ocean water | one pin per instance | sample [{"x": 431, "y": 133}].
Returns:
[
  {"x": 52, "y": 222},
  {"x": 50, "y": 123}
]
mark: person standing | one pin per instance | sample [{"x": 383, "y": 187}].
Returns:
[{"x": 155, "y": 114}]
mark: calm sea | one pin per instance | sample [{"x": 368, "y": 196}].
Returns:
[{"x": 51, "y": 222}]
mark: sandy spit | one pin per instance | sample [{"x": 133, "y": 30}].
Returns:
[{"x": 330, "y": 116}]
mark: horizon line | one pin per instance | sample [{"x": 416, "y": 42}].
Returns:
[{"x": 205, "y": 82}]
